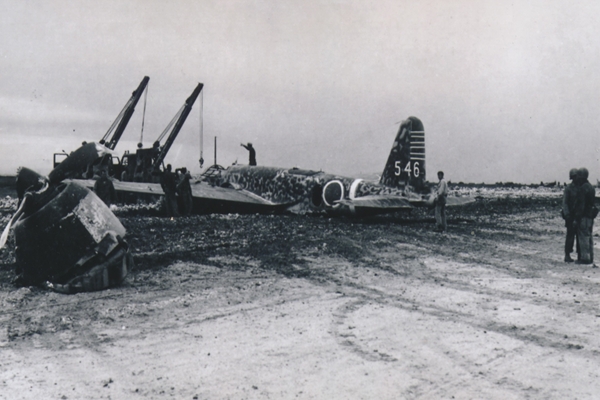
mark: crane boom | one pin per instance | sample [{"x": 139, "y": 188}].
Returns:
[
  {"x": 187, "y": 107},
  {"x": 126, "y": 114}
]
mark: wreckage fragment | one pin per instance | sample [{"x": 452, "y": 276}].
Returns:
[
  {"x": 28, "y": 181},
  {"x": 66, "y": 237}
]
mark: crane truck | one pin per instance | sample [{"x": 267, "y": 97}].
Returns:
[
  {"x": 117, "y": 128},
  {"x": 144, "y": 165}
]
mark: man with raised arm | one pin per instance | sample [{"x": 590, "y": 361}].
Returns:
[{"x": 252, "y": 152}]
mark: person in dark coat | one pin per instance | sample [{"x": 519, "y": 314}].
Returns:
[
  {"x": 585, "y": 212},
  {"x": 105, "y": 189},
  {"x": 168, "y": 182},
  {"x": 250, "y": 148},
  {"x": 568, "y": 214},
  {"x": 184, "y": 190}
]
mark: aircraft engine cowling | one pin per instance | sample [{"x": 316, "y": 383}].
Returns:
[
  {"x": 70, "y": 240},
  {"x": 333, "y": 191}
]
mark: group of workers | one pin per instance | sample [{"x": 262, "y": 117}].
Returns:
[
  {"x": 176, "y": 186},
  {"x": 178, "y": 191},
  {"x": 579, "y": 211}
]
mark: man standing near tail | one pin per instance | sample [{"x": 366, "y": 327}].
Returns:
[
  {"x": 568, "y": 213},
  {"x": 440, "y": 203}
]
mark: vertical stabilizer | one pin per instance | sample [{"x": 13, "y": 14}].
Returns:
[{"x": 406, "y": 162}]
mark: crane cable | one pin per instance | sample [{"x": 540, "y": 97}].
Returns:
[
  {"x": 162, "y": 135},
  {"x": 114, "y": 124}
]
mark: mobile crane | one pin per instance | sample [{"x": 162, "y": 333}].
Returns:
[
  {"x": 144, "y": 165},
  {"x": 124, "y": 117},
  {"x": 117, "y": 128}
]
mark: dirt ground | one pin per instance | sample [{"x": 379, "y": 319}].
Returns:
[{"x": 299, "y": 307}]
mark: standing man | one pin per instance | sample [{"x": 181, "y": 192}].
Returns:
[
  {"x": 104, "y": 188},
  {"x": 184, "y": 190},
  {"x": 568, "y": 213},
  {"x": 585, "y": 212},
  {"x": 440, "y": 203},
  {"x": 252, "y": 152},
  {"x": 169, "y": 186}
]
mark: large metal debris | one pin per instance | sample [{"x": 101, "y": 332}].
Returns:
[{"x": 66, "y": 237}]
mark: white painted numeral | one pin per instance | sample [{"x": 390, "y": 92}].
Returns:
[{"x": 416, "y": 171}]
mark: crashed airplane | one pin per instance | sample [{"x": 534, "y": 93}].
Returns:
[
  {"x": 66, "y": 238},
  {"x": 256, "y": 189}
]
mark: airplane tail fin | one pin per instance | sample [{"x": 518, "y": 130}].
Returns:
[{"x": 406, "y": 162}]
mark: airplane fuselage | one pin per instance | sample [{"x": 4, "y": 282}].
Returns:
[{"x": 305, "y": 190}]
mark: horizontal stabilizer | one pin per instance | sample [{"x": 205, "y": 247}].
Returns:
[
  {"x": 451, "y": 201},
  {"x": 385, "y": 202},
  {"x": 458, "y": 201}
]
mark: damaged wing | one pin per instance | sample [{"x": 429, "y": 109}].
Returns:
[
  {"x": 201, "y": 190},
  {"x": 206, "y": 197},
  {"x": 127, "y": 187}
]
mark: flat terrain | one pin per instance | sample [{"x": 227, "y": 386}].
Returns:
[{"x": 298, "y": 307}]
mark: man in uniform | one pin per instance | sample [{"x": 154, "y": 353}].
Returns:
[
  {"x": 169, "y": 186},
  {"x": 568, "y": 213},
  {"x": 104, "y": 188},
  {"x": 440, "y": 203},
  {"x": 584, "y": 217},
  {"x": 252, "y": 152},
  {"x": 184, "y": 190}
]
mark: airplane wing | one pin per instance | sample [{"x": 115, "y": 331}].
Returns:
[
  {"x": 205, "y": 191},
  {"x": 207, "y": 197},
  {"x": 138, "y": 187},
  {"x": 128, "y": 187}
]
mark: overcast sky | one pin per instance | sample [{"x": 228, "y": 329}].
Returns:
[{"x": 506, "y": 92}]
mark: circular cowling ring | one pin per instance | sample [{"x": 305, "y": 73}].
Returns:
[{"x": 333, "y": 191}]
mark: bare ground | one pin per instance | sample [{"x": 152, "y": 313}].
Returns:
[{"x": 286, "y": 307}]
